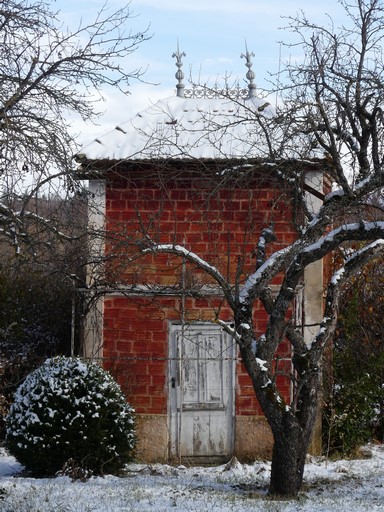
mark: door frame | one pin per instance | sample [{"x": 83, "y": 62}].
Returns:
[{"x": 175, "y": 412}]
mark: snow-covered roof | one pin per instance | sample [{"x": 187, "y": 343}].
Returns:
[{"x": 187, "y": 127}]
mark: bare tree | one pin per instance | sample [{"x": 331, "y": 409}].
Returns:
[
  {"x": 333, "y": 104},
  {"x": 48, "y": 73},
  {"x": 48, "y": 76}
]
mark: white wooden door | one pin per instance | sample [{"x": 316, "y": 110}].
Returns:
[{"x": 201, "y": 384}]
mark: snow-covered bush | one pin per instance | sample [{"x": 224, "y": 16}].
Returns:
[{"x": 69, "y": 409}]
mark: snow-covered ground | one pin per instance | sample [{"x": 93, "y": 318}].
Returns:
[{"x": 353, "y": 486}]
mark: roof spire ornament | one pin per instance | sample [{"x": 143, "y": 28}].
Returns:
[
  {"x": 250, "y": 74},
  {"x": 179, "y": 74}
]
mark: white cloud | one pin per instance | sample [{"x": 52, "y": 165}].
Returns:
[{"x": 117, "y": 108}]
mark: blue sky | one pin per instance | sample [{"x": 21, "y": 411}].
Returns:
[{"x": 212, "y": 33}]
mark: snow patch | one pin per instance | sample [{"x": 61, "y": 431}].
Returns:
[
  {"x": 339, "y": 486},
  {"x": 262, "y": 364}
]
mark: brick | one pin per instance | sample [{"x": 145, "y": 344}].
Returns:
[
  {"x": 244, "y": 381},
  {"x": 117, "y": 205},
  {"x": 138, "y": 390},
  {"x": 183, "y": 205},
  {"x": 212, "y": 228},
  {"x": 157, "y": 347},
  {"x": 140, "y": 368},
  {"x": 178, "y": 194},
  {"x": 245, "y": 403},
  {"x": 156, "y": 368},
  {"x": 113, "y": 193},
  {"x": 142, "y": 404},
  {"x": 124, "y": 347},
  {"x": 158, "y": 405},
  {"x": 155, "y": 391},
  {"x": 158, "y": 380}
]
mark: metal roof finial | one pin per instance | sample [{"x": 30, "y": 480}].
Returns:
[
  {"x": 250, "y": 74},
  {"x": 179, "y": 74}
]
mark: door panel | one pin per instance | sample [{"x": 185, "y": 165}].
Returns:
[{"x": 201, "y": 392}]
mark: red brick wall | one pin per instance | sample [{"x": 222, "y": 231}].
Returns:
[{"x": 219, "y": 223}]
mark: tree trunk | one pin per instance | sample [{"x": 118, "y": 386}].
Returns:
[{"x": 288, "y": 459}]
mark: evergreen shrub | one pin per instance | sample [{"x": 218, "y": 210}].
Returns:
[{"x": 70, "y": 410}]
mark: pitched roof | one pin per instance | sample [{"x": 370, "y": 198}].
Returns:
[{"x": 187, "y": 128}]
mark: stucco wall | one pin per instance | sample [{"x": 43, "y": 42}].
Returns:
[{"x": 253, "y": 439}]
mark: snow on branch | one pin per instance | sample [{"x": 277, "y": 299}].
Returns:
[
  {"x": 356, "y": 260},
  {"x": 354, "y": 231},
  {"x": 347, "y": 137},
  {"x": 48, "y": 224},
  {"x": 267, "y": 236},
  {"x": 18, "y": 226},
  {"x": 192, "y": 257},
  {"x": 257, "y": 281},
  {"x": 352, "y": 265},
  {"x": 298, "y": 257},
  {"x": 229, "y": 328},
  {"x": 360, "y": 189}
]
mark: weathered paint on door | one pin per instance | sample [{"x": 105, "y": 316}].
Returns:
[{"x": 201, "y": 397}]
